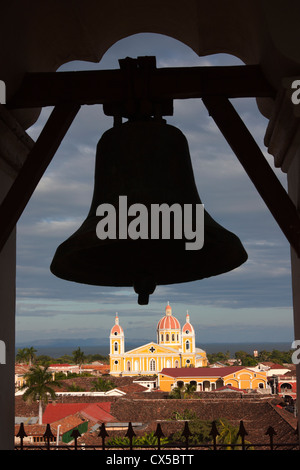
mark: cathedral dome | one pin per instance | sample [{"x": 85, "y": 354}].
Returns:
[{"x": 168, "y": 322}]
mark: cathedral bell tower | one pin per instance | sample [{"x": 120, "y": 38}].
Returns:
[
  {"x": 117, "y": 347},
  {"x": 188, "y": 343}
]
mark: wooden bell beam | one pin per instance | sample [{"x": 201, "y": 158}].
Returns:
[
  {"x": 256, "y": 166},
  {"x": 109, "y": 86},
  {"x": 34, "y": 167}
]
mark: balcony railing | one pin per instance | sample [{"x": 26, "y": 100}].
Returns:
[{"x": 103, "y": 435}]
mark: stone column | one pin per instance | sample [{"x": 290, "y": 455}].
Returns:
[
  {"x": 14, "y": 146},
  {"x": 283, "y": 139},
  {"x": 294, "y": 191}
]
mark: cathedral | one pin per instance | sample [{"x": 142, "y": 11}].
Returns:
[{"x": 175, "y": 347}]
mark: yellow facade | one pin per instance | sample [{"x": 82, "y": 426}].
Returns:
[
  {"x": 208, "y": 379},
  {"x": 175, "y": 348}
]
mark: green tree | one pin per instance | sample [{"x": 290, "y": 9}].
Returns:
[
  {"x": 246, "y": 359},
  {"x": 228, "y": 434},
  {"x": 101, "y": 385},
  {"x": 177, "y": 392},
  {"x": 38, "y": 386},
  {"x": 74, "y": 388},
  {"x": 21, "y": 355},
  {"x": 218, "y": 357},
  {"x": 145, "y": 440},
  {"x": 189, "y": 390},
  {"x": 26, "y": 355},
  {"x": 182, "y": 391},
  {"x": 78, "y": 357},
  {"x": 30, "y": 353},
  {"x": 200, "y": 429}
]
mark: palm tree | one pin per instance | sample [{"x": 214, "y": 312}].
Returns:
[
  {"x": 78, "y": 357},
  {"x": 177, "y": 392},
  {"x": 38, "y": 387},
  {"x": 30, "y": 353},
  {"x": 229, "y": 435},
  {"x": 101, "y": 385},
  {"x": 21, "y": 355},
  {"x": 189, "y": 390}
]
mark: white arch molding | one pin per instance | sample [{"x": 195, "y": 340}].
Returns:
[{"x": 50, "y": 34}]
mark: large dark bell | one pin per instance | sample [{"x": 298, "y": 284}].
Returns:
[{"x": 149, "y": 162}]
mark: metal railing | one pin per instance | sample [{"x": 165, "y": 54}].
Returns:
[{"x": 185, "y": 445}]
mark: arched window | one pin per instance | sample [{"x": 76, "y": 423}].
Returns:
[
  {"x": 128, "y": 366},
  {"x": 173, "y": 337},
  {"x": 187, "y": 345},
  {"x": 116, "y": 347},
  {"x": 167, "y": 337},
  {"x": 152, "y": 364},
  {"x": 176, "y": 363}
]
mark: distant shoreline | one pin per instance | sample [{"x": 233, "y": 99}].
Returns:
[{"x": 57, "y": 351}]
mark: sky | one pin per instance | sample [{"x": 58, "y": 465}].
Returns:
[{"x": 252, "y": 303}]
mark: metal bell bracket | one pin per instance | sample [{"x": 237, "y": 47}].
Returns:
[{"x": 138, "y": 102}]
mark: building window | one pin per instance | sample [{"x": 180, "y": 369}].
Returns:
[
  {"x": 173, "y": 337},
  {"x": 116, "y": 363},
  {"x": 176, "y": 364},
  {"x": 152, "y": 364},
  {"x": 161, "y": 337},
  {"x": 187, "y": 345},
  {"x": 128, "y": 366},
  {"x": 116, "y": 347},
  {"x": 167, "y": 337}
]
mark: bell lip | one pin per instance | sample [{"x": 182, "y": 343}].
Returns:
[{"x": 112, "y": 272}]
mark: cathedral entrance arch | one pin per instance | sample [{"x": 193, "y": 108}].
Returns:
[
  {"x": 219, "y": 383},
  {"x": 206, "y": 386}
]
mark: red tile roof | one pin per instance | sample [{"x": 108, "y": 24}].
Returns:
[
  {"x": 201, "y": 371},
  {"x": 97, "y": 411}
]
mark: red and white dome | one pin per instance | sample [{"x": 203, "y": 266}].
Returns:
[{"x": 168, "y": 322}]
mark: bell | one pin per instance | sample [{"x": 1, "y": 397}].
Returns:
[{"x": 147, "y": 161}]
